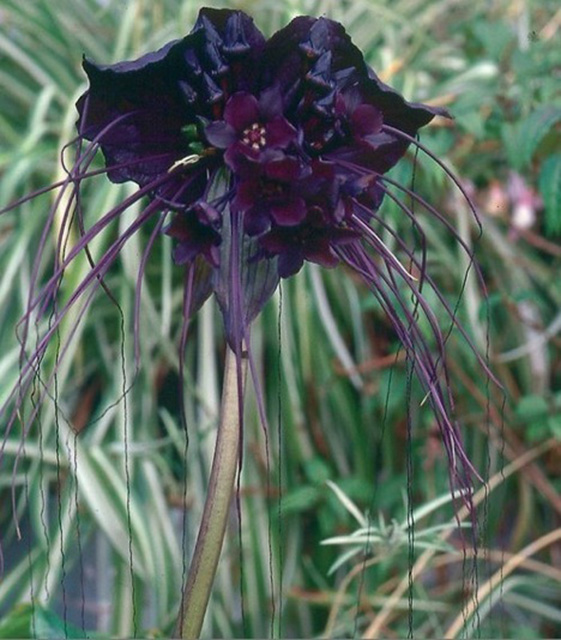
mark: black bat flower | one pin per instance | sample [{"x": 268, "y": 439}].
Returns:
[{"x": 257, "y": 155}]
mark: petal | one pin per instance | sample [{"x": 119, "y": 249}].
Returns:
[
  {"x": 242, "y": 110},
  {"x": 290, "y": 263},
  {"x": 280, "y": 133},
  {"x": 289, "y": 212},
  {"x": 320, "y": 252},
  {"x": 220, "y": 134},
  {"x": 242, "y": 159},
  {"x": 285, "y": 169},
  {"x": 256, "y": 221},
  {"x": 246, "y": 193},
  {"x": 277, "y": 241}
]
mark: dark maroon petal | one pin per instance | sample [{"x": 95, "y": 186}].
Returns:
[
  {"x": 290, "y": 263},
  {"x": 320, "y": 252},
  {"x": 289, "y": 212},
  {"x": 256, "y": 221},
  {"x": 279, "y": 242},
  {"x": 321, "y": 186},
  {"x": 242, "y": 110},
  {"x": 242, "y": 159},
  {"x": 275, "y": 242},
  {"x": 285, "y": 169},
  {"x": 220, "y": 134},
  {"x": 280, "y": 133},
  {"x": 193, "y": 238},
  {"x": 245, "y": 195}
]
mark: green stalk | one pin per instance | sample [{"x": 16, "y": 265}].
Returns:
[{"x": 196, "y": 591}]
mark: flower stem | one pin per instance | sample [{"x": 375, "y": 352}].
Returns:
[{"x": 196, "y": 591}]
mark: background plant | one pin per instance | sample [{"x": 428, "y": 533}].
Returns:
[{"x": 342, "y": 405}]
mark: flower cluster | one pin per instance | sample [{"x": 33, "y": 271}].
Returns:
[
  {"x": 286, "y": 137},
  {"x": 255, "y": 156}
]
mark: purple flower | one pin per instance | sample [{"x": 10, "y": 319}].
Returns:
[
  {"x": 251, "y": 128},
  {"x": 269, "y": 195},
  {"x": 255, "y": 156},
  {"x": 195, "y": 232},
  {"x": 312, "y": 240}
]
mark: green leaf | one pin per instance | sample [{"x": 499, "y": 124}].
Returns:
[
  {"x": 472, "y": 122},
  {"x": 300, "y": 499},
  {"x": 524, "y": 632},
  {"x": 554, "y": 425},
  {"x": 533, "y": 129},
  {"x": 537, "y": 431},
  {"x": 17, "y": 623},
  {"x": 550, "y": 190},
  {"x": 510, "y": 134},
  {"x": 316, "y": 470},
  {"x": 49, "y": 625},
  {"x": 532, "y": 407},
  {"x": 27, "y": 621},
  {"x": 494, "y": 36},
  {"x": 540, "y": 417}
]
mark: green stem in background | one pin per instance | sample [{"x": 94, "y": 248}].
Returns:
[{"x": 196, "y": 591}]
